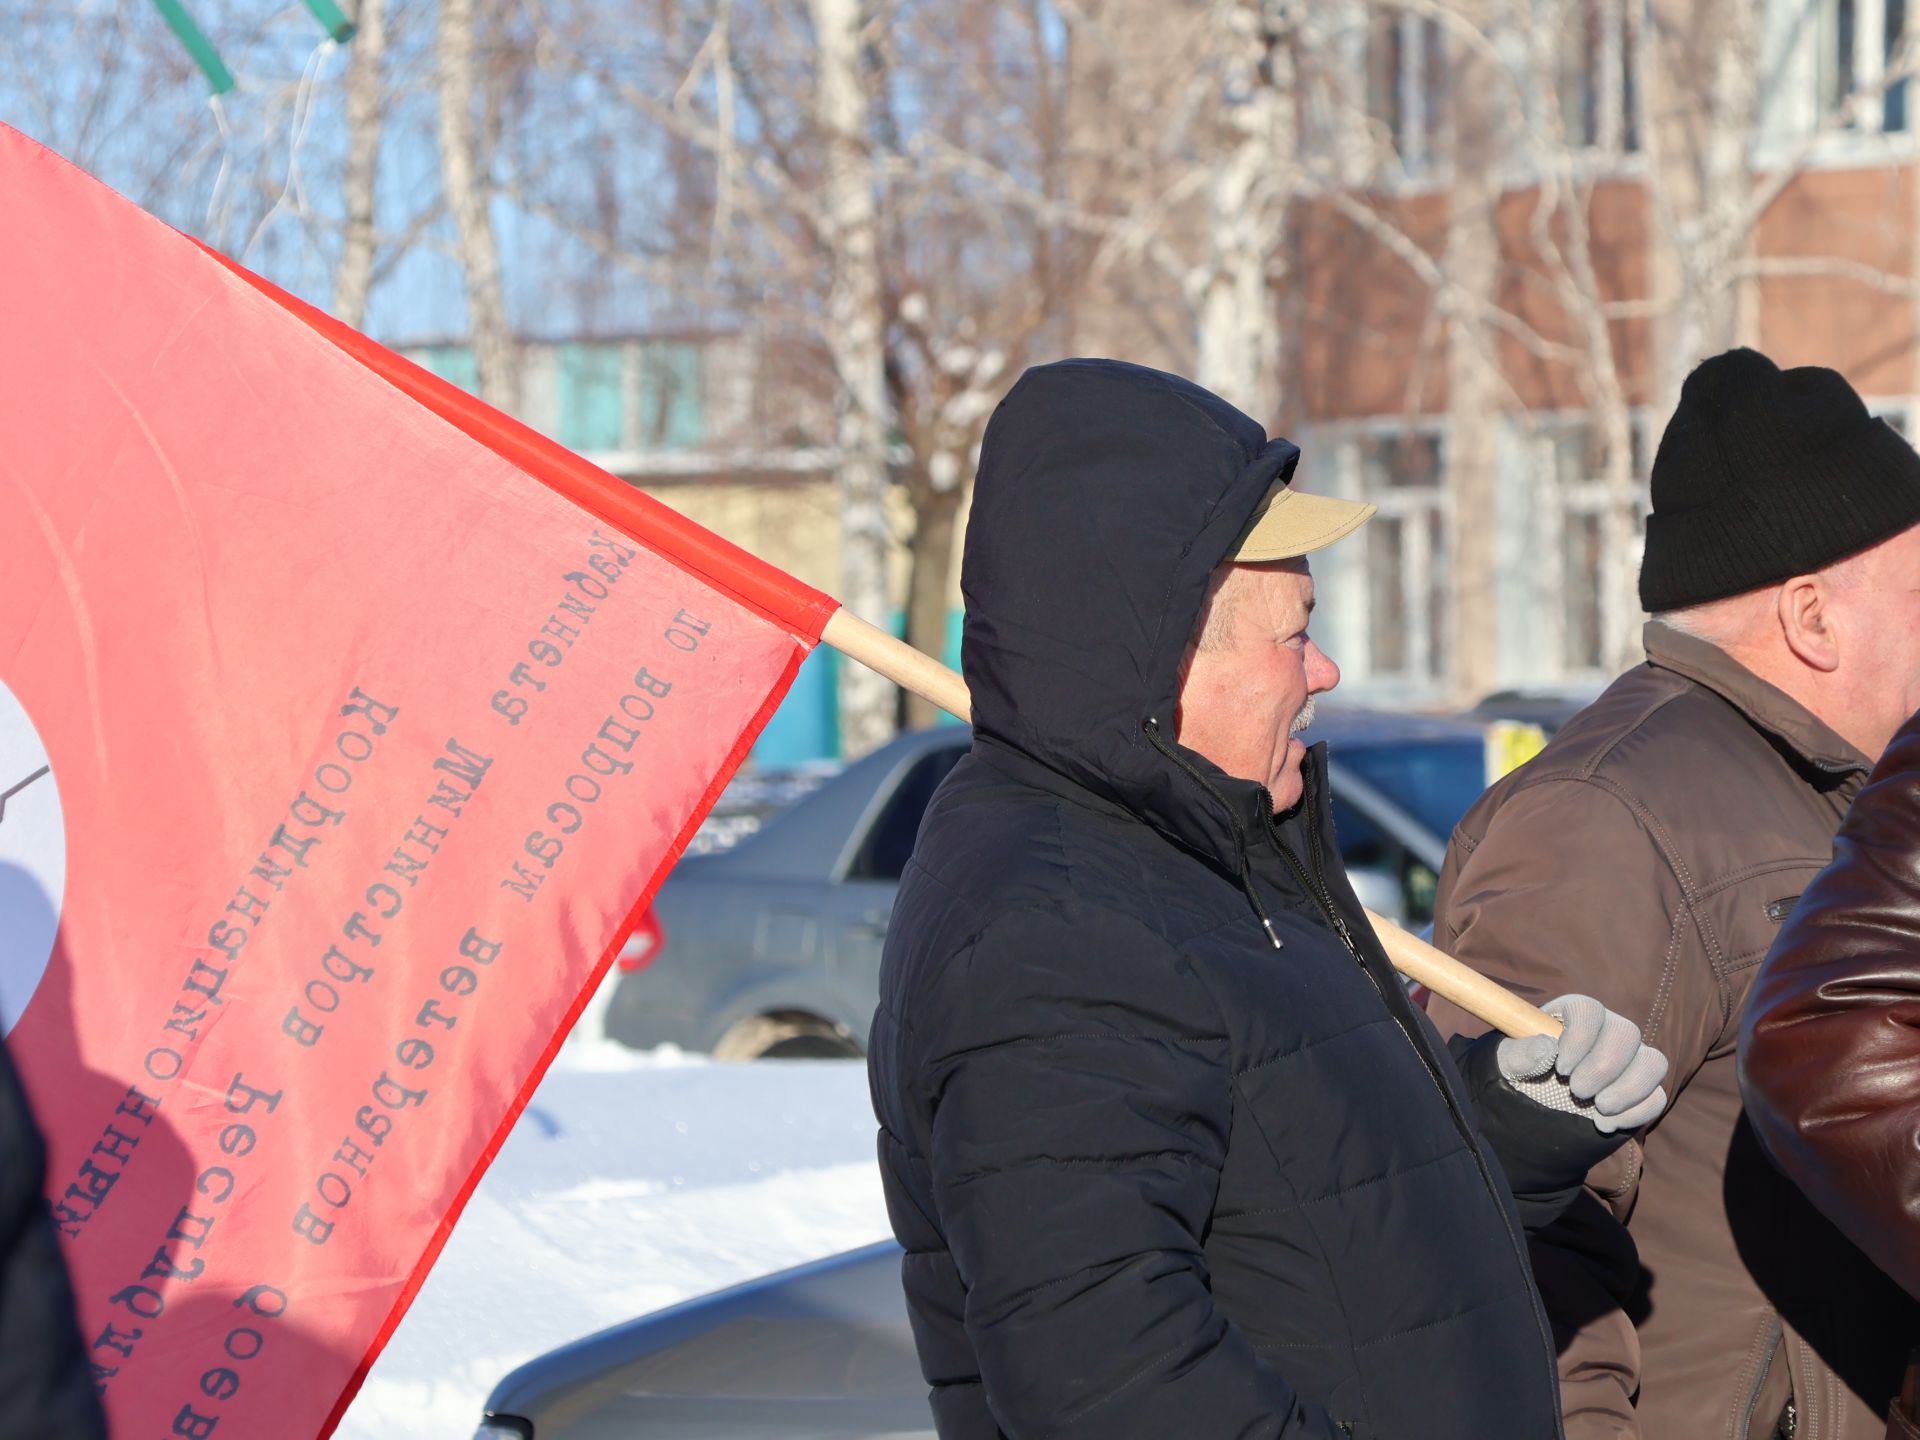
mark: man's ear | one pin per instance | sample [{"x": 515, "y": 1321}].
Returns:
[{"x": 1806, "y": 623}]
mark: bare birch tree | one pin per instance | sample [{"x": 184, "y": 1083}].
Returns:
[
  {"x": 1187, "y": 115},
  {"x": 878, "y": 186},
  {"x": 1589, "y": 44},
  {"x": 1702, "y": 68},
  {"x": 980, "y": 283},
  {"x": 1472, "y": 261},
  {"x": 365, "y": 121},
  {"x": 855, "y": 334},
  {"x": 464, "y": 179},
  {"x": 1250, "y": 178}
]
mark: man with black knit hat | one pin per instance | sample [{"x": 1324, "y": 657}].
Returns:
[{"x": 1649, "y": 855}]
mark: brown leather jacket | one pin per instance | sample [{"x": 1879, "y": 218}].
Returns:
[
  {"x": 1830, "y": 1049},
  {"x": 1647, "y": 857}
]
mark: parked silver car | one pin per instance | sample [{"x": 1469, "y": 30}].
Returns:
[
  {"x": 772, "y": 947},
  {"x": 823, "y": 1352}
]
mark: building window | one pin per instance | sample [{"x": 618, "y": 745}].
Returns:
[
  {"x": 1406, "y": 83},
  {"x": 1597, "y": 64},
  {"x": 1839, "y": 27},
  {"x": 452, "y": 363},
  {"x": 1587, "y": 576},
  {"x": 1860, "y": 44},
  {"x": 588, "y": 382},
  {"x": 1406, "y": 555},
  {"x": 670, "y": 401},
  {"x": 1893, "y": 29}
]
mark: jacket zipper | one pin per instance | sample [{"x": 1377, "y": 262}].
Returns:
[
  {"x": 1151, "y": 728},
  {"x": 1316, "y": 889},
  {"x": 1782, "y": 1427}
]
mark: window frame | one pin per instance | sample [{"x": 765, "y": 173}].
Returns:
[
  {"x": 882, "y": 808},
  {"x": 1425, "y": 566},
  {"x": 1866, "y": 67},
  {"x": 1618, "y": 132},
  {"x": 1586, "y": 498},
  {"x": 1418, "y": 151},
  {"x": 1797, "y": 37}
]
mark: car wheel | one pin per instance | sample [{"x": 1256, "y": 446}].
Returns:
[
  {"x": 811, "y": 1047},
  {"x": 786, "y": 1037}
]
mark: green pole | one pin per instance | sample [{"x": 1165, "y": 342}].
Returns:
[
  {"x": 219, "y": 78},
  {"x": 331, "y": 20}
]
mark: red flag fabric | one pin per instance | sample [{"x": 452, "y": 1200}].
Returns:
[{"x": 346, "y": 725}]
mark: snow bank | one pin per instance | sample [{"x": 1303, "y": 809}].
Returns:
[{"x": 632, "y": 1182}]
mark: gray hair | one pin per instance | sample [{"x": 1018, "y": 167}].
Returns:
[
  {"x": 1716, "y": 622},
  {"x": 1730, "y": 621},
  {"x": 1213, "y": 631}
]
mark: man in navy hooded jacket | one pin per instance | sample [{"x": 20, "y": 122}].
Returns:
[{"x": 1169, "y": 1151}]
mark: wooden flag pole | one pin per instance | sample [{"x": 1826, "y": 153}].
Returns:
[
  {"x": 898, "y": 661},
  {"x": 1411, "y": 956}
]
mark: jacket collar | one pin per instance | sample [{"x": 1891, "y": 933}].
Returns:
[{"x": 1768, "y": 707}]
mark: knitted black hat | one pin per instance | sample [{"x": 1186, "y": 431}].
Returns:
[{"x": 1764, "y": 474}]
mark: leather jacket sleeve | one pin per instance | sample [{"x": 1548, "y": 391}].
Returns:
[{"x": 1830, "y": 1042}]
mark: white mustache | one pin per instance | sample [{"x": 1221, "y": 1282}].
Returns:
[{"x": 1303, "y": 719}]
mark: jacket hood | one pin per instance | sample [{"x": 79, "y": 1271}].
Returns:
[{"x": 1107, "y": 495}]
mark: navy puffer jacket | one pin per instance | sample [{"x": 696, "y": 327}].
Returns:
[
  {"x": 46, "y": 1389},
  {"x": 1154, "y": 1176}
]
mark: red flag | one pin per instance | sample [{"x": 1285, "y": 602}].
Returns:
[{"x": 345, "y": 726}]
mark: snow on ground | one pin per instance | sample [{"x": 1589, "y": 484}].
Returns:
[{"x": 633, "y": 1181}]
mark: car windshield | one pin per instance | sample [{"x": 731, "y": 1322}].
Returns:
[
  {"x": 752, "y": 799},
  {"x": 1435, "y": 780}
]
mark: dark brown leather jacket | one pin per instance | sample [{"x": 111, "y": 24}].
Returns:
[
  {"x": 1830, "y": 1047},
  {"x": 1647, "y": 858}
]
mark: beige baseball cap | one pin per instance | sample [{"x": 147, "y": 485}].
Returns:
[{"x": 1290, "y": 522}]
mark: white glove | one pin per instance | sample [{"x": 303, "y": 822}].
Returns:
[{"x": 1599, "y": 1067}]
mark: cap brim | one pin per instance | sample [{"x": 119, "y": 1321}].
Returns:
[{"x": 1293, "y": 523}]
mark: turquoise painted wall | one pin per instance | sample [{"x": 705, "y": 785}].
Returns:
[
  {"x": 807, "y": 724},
  {"x": 593, "y": 382},
  {"x": 672, "y": 399},
  {"x": 453, "y": 363},
  {"x": 588, "y": 398}
]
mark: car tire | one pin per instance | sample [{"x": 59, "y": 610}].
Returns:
[{"x": 786, "y": 1037}]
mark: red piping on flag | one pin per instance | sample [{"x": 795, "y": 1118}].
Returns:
[{"x": 762, "y": 588}]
